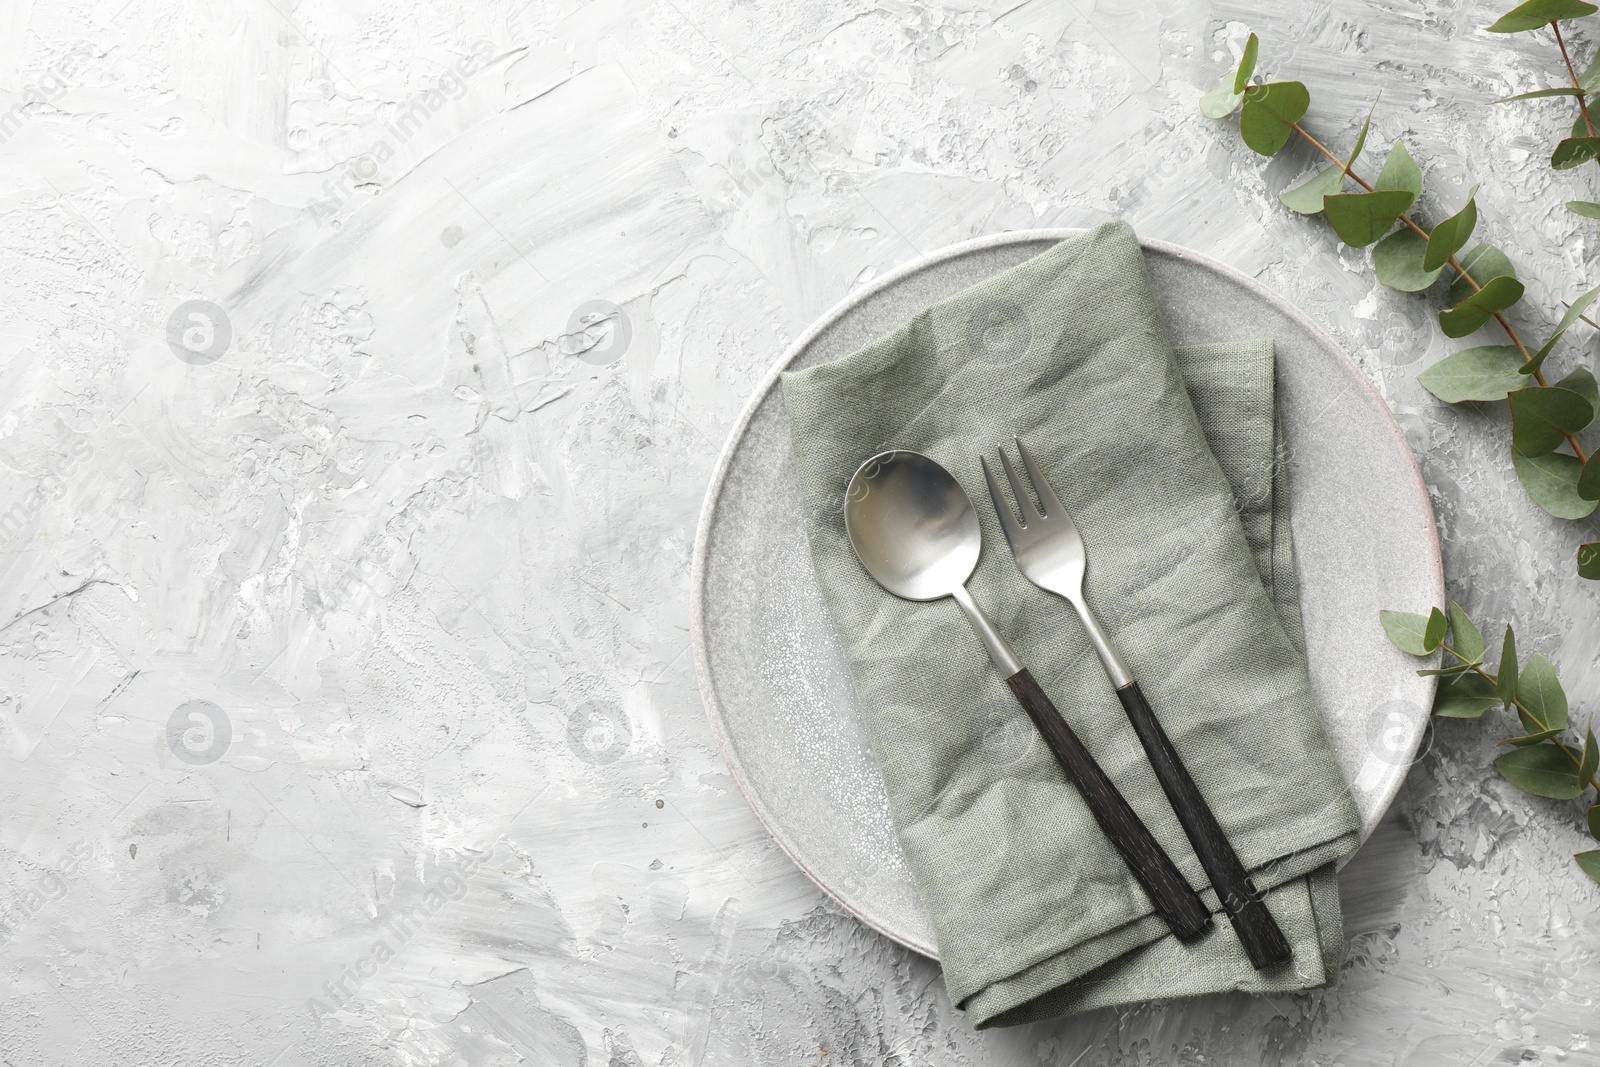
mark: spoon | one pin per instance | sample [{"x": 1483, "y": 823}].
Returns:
[{"x": 916, "y": 532}]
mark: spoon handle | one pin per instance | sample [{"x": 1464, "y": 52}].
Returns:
[{"x": 1172, "y": 895}]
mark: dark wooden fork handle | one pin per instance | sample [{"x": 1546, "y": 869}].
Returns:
[
  {"x": 1258, "y": 931},
  {"x": 1174, "y": 898}
]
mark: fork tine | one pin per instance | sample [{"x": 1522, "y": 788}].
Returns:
[
  {"x": 1008, "y": 521},
  {"x": 1030, "y": 514},
  {"x": 1047, "y": 494}
]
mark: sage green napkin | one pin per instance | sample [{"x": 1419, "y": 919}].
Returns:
[{"x": 1168, "y": 462}]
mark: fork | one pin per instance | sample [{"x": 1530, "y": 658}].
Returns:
[{"x": 1049, "y": 551}]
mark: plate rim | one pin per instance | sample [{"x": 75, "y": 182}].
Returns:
[{"x": 736, "y": 433}]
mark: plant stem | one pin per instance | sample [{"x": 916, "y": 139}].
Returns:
[
  {"x": 1583, "y": 108},
  {"x": 1577, "y": 761},
  {"x": 1522, "y": 349}
]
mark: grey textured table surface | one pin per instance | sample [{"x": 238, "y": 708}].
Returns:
[{"x": 347, "y": 706}]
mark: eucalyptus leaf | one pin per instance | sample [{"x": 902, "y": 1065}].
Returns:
[
  {"x": 1247, "y": 64},
  {"x": 1552, "y": 482},
  {"x": 1574, "y": 312},
  {"x": 1483, "y": 262},
  {"x": 1487, "y": 373},
  {"x": 1591, "y": 756},
  {"x": 1590, "y": 78},
  {"x": 1465, "y": 638},
  {"x": 1452, "y": 234},
  {"x": 1400, "y": 171},
  {"x": 1467, "y": 696},
  {"x": 1433, "y": 632},
  {"x": 1361, "y": 218},
  {"x": 1440, "y": 672},
  {"x": 1574, "y": 152},
  {"x": 1470, "y": 315},
  {"x": 1529, "y": 739},
  {"x": 1587, "y": 208},
  {"x": 1398, "y": 260},
  {"x": 1581, "y": 381},
  {"x": 1306, "y": 198},
  {"x": 1269, "y": 112},
  {"x": 1590, "y": 863},
  {"x": 1542, "y": 416},
  {"x": 1361, "y": 138},
  {"x": 1407, "y": 631},
  {"x": 1589, "y": 561},
  {"x": 1543, "y": 770},
  {"x": 1594, "y": 822},
  {"x": 1539, "y": 93},
  {"x": 1506, "y": 675},
  {"x": 1536, "y": 13},
  {"x": 1543, "y": 703},
  {"x": 1589, "y": 480},
  {"x": 1222, "y": 101}
]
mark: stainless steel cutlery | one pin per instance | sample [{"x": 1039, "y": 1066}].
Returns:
[
  {"x": 915, "y": 530},
  {"x": 1049, "y": 551}
]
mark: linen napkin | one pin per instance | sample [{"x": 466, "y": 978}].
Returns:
[{"x": 1167, "y": 460}]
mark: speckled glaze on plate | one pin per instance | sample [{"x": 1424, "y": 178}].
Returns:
[{"x": 769, "y": 663}]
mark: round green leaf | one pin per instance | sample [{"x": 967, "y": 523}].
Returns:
[
  {"x": 1552, "y": 482},
  {"x": 1466, "y": 696},
  {"x": 1590, "y": 863},
  {"x": 1506, "y": 673},
  {"x": 1589, "y": 561},
  {"x": 1591, "y": 756},
  {"x": 1574, "y": 152},
  {"x": 1542, "y": 416},
  {"x": 1407, "y": 631},
  {"x": 1539, "y": 690},
  {"x": 1306, "y": 198},
  {"x": 1222, "y": 101},
  {"x": 1465, "y": 637},
  {"x": 1487, "y": 373},
  {"x": 1268, "y": 113},
  {"x": 1398, "y": 260},
  {"x": 1247, "y": 65},
  {"x": 1543, "y": 770},
  {"x": 1451, "y": 234},
  {"x": 1589, "y": 480},
  {"x": 1536, "y": 13},
  {"x": 1581, "y": 381},
  {"x": 1400, "y": 171},
  {"x": 1477, "y": 309},
  {"x": 1575, "y": 311},
  {"x": 1361, "y": 218},
  {"x": 1594, "y": 822},
  {"x": 1483, "y": 262}
]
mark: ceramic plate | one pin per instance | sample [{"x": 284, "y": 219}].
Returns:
[{"x": 770, "y": 666}]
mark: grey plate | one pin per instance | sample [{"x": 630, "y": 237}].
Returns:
[{"x": 770, "y": 666}]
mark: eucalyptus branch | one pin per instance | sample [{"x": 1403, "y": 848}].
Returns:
[
  {"x": 1546, "y": 417},
  {"x": 1539, "y": 762}
]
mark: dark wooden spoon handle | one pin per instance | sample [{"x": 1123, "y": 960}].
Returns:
[
  {"x": 1174, "y": 898},
  {"x": 1257, "y": 929}
]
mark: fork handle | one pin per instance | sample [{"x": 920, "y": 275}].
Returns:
[
  {"x": 1258, "y": 931},
  {"x": 1174, "y": 898}
]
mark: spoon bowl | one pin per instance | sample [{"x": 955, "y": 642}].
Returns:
[{"x": 913, "y": 527}]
